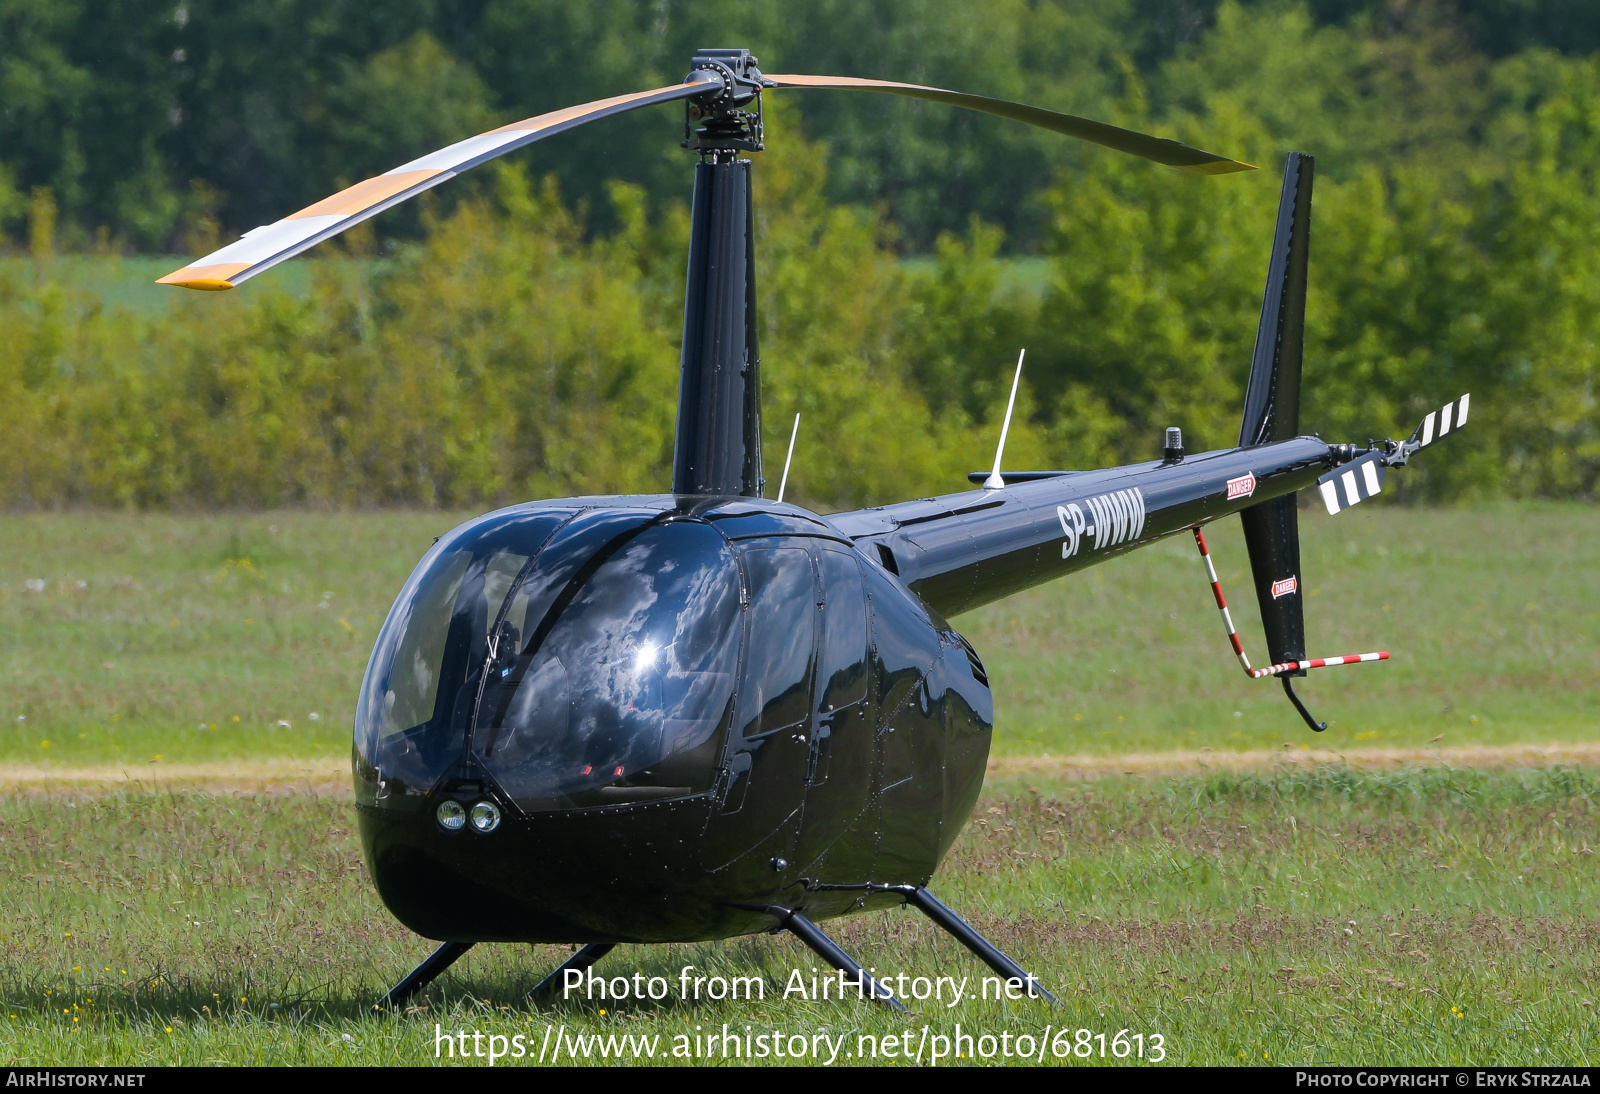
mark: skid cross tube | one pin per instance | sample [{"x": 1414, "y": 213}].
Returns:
[
  {"x": 424, "y": 974},
  {"x": 583, "y": 959}
]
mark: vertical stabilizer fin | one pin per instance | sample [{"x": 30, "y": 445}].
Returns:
[
  {"x": 1272, "y": 413},
  {"x": 1272, "y": 400},
  {"x": 1272, "y": 534}
]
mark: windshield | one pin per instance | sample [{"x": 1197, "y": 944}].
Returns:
[
  {"x": 422, "y": 679},
  {"x": 617, "y": 690}
]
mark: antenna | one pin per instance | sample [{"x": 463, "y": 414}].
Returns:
[
  {"x": 793, "y": 433},
  {"x": 994, "y": 481}
]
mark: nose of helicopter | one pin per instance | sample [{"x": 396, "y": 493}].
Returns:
[
  {"x": 620, "y": 874},
  {"x": 541, "y": 722}
]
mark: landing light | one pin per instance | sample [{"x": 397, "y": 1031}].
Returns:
[
  {"x": 485, "y": 817},
  {"x": 452, "y": 817}
]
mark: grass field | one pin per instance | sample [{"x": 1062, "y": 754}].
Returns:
[
  {"x": 122, "y": 635},
  {"x": 113, "y": 282},
  {"x": 129, "y": 282},
  {"x": 1294, "y": 910},
  {"x": 1285, "y": 917}
]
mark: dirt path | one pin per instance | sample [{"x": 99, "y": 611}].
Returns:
[
  {"x": 1196, "y": 763},
  {"x": 332, "y": 776},
  {"x": 265, "y": 776}
]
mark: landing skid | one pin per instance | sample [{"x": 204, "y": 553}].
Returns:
[
  {"x": 831, "y": 952},
  {"x": 424, "y": 974},
  {"x": 943, "y": 917},
  {"x": 789, "y": 920},
  {"x": 582, "y": 959},
  {"x": 963, "y": 932}
]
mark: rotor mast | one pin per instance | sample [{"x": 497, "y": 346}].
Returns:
[{"x": 718, "y": 443}]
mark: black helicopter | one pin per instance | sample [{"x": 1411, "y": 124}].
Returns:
[{"x": 702, "y": 714}]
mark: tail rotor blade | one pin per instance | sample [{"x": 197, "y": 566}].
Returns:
[
  {"x": 1161, "y": 150},
  {"x": 1453, "y": 415},
  {"x": 265, "y": 247},
  {"x": 1352, "y": 483}
]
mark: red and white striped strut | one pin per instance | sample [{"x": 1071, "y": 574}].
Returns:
[{"x": 1233, "y": 635}]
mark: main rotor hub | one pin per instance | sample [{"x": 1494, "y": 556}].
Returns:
[{"x": 715, "y": 126}]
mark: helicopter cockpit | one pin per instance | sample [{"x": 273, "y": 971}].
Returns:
[{"x": 568, "y": 660}]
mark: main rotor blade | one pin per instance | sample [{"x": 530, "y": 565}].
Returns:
[
  {"x": 265, "y": 247},
  {"x": 1159, "y": 149}
]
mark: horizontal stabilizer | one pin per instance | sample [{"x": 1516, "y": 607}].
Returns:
[{"x": 1356, "y": 481}]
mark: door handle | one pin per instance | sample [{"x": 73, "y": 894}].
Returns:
[
  {"x": 821, "y": 740},
  {"x": 734, "y": 781}
]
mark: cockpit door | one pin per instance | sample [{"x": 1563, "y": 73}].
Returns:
[
  {"x": 836, "y": 839},
  {"x": 770, "y": 748}
]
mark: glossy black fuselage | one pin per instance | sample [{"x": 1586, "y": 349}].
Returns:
[
  {"x": 861, "y": 766},
  {"x": 862, "y": 769}
]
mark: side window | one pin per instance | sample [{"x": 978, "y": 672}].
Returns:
[
  {"x": 782, "y": 624},
  {"x": 842, "y": 673}
]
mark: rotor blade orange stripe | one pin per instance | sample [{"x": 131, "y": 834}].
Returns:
[
  {"x": 271, "y": 244},
  {"x": 204, "y": 277},
  {"x": 363, "y": 195}
]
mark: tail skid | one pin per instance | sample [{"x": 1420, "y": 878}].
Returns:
[{"x": 1281, "y": 670}]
